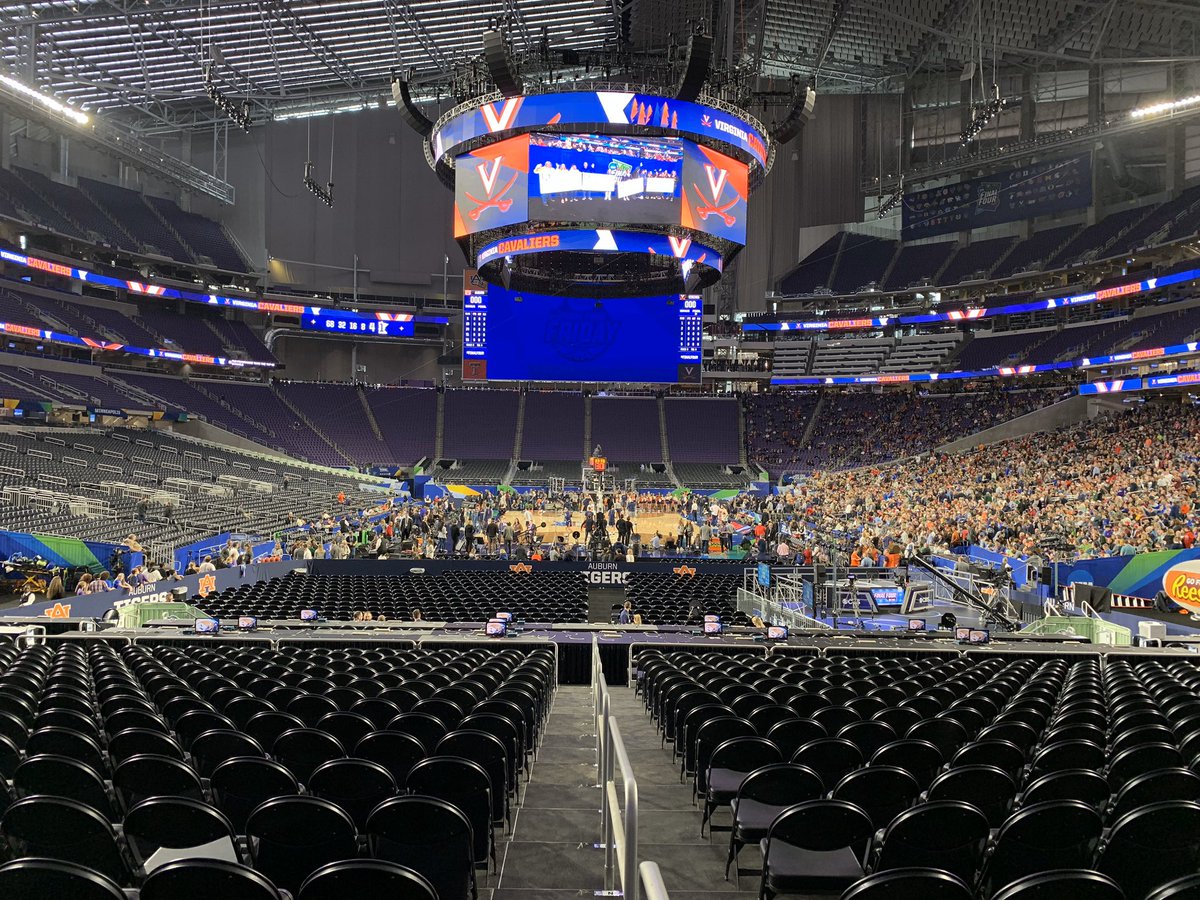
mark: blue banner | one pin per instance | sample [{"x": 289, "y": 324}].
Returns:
[{"x": 1037, "y": 189}]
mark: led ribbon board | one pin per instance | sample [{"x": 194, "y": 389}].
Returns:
[
  {"x": 58, "y": 337},
  {"x": 974, "y": 313},
  {"x": 312, "y": 318},
  {"x": 1086, "y": 362},
  {"x": 602, "y": 240},
  {"x": 598, "y": 111}
]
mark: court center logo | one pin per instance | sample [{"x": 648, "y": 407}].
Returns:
[{"x": 580, "y": 330}]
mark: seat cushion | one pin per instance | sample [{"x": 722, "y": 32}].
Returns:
[
  {"x": 794, "y": 869},
  {"x": 723, "y": 784},
  {"x": 752, "y": 818}
]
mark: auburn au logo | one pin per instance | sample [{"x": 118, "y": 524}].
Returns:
[
  {"x": 208, "y": 584},
  {"x": 684, "y": 570},
  {"x": 59, "y": 611},
  {"x": 521, "y": 568}
]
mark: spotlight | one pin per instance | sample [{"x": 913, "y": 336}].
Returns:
[
  {"x": 322, "y": 193},
  {"x": 239, "y": 114},
  {"x": 983, "y": 115},
  {"x": 886, "y": 206}
]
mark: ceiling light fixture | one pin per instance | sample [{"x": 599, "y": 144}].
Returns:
[
  {"x": 51, "y": 103},
  {"x": 1168, "y": 106}
]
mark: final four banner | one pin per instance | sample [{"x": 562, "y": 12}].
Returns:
[{"x": 1037, "y": 189}]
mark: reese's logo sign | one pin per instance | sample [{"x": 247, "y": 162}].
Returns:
[{"x": 1182, "y": 584}]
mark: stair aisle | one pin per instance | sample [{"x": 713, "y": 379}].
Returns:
[
  {"x": 551, "y": 852},
  {"x": 668, "y": 823}
]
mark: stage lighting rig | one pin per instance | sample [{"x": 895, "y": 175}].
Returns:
[
  {"x": 886, "y": 206},
  {"x": 324, "y": 193},
  {"x": 983, "y": 116},
  {"x": 239, "y": 114}
]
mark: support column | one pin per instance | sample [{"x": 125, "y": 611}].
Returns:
[{"x": 1028, "y": 108}]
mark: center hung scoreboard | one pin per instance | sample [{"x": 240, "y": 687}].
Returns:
[
  {"x": 518, "y": 336},
  {"x": 590, "y": 221}
]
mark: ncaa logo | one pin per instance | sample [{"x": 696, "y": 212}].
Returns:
[{"x": 580, "y": 330}]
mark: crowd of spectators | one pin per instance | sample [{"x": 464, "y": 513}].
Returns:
[
  {"x": 861, "y": 429},
  {"x": 1117, "y": 485}
]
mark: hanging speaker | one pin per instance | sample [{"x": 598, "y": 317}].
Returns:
[
  {"x": 499, "y": 63},
  {"x": 416, "y": 119},
  {"x": 798, "y": 115},
  {"x": 695, "y": 71}
]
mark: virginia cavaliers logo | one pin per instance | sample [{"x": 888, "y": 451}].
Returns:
[
  {"x": 717, "y": 179},
  {"x": 501, "y": 118},
  {"x": 679, "y": 246},
  {"x": 706, "y": 120},
  {"x": 489, "y": 174}
]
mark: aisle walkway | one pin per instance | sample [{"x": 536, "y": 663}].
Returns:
[
  {"x": 669, "y": 825},
  {"x": 550, "y": 853}
]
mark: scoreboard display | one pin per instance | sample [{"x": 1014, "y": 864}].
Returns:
[{"x": 519, "y": 336}]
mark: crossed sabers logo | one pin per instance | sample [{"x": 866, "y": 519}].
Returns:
[
  {"x": 684, "y": 570},
  {"x": 521, "y": 568},
  {"x": 489, "y": 174},
  {"x": 717, "y": 179}
]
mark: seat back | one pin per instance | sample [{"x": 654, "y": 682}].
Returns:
[
  {"x": 292, "y": 837},
  {"x": 1077, "y": 884},
  {"x": 427, "y": 835},
  {"x": 62, "y": 829},
  {"x": 911, "y": 883},
  {"x": 464, "y": 784},
  {"x": 204, "y": 879},
  {"x": 989, "y": 789},
  {"x": 356, "y": 785},
  {"x": 883, "y": 792},
  {"x": 1055, "y": 834},
  {"x": 1152, "y": 845},
  {"x": 366, "y": 878},
  {"x": 32, "y": 879},
  {"x": 942, "y": 834}
]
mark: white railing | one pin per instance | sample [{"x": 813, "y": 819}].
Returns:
[{"x": 619, "y": 823}]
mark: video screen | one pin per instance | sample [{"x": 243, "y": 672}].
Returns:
[
  {"x": 716, "y": 191},
  {"x": 962, "y": 634},
  {"x": 308, "y": 615},
  {"x": 711, "y": 618},
  {"x": 886, "y": 596},
  {"x": 979, "y": 636},
  {"x": 207, "y": 626},
  {"x": 916, "y": 624},
  {"x": 247, "y": 623},
  {"x": 777, "y": 633},
  {"x": 504, "y": 617},
  {"x": 516, "y": 336},
  {"x": 491, "y": 186},
  {"x": 604, "y": 178},
  {"x": 712, "y": 627},
  {"x": 496, "y": 628}
]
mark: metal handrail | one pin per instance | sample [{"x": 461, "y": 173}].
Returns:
[
  {"x": 619, "y": 825},
  {"x": 652, "y": 881}
]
